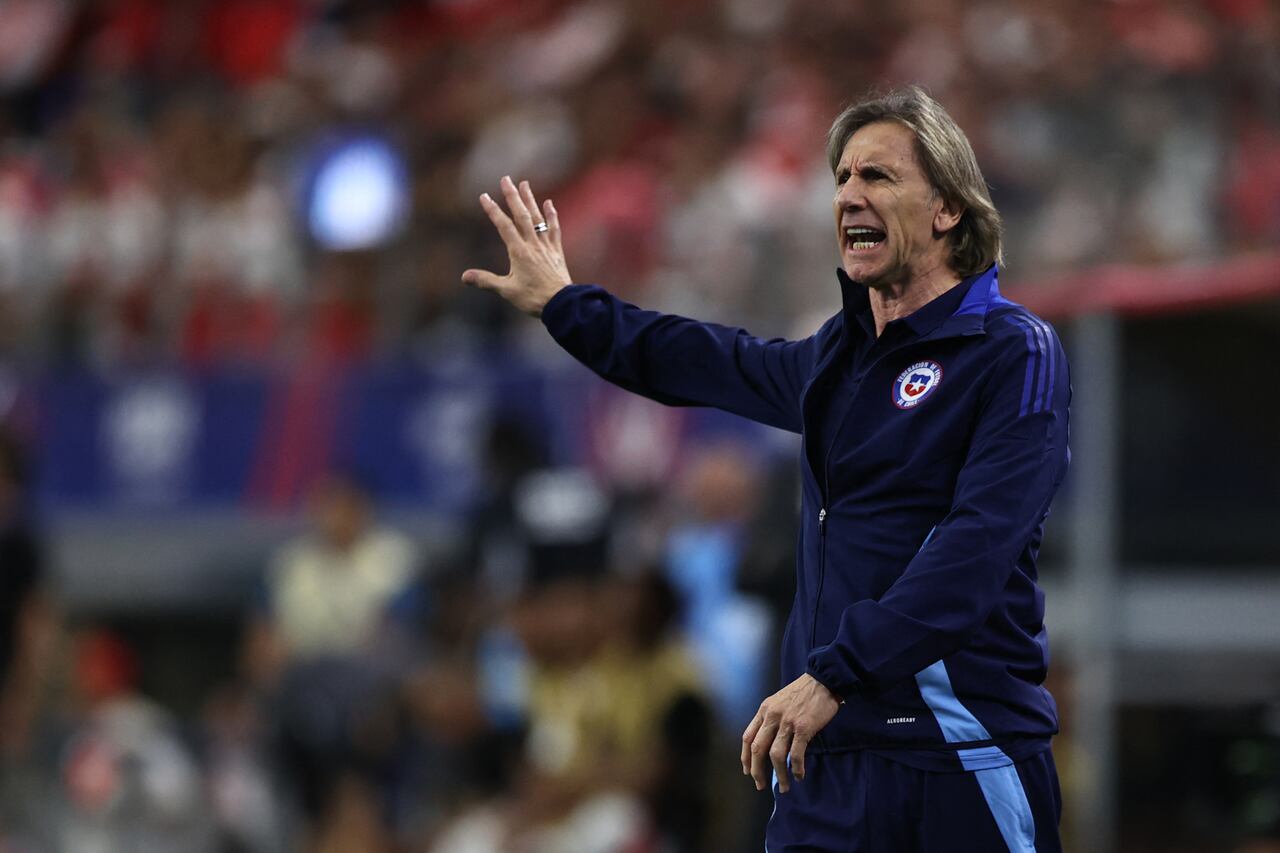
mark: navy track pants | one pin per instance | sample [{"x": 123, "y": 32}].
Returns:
[{"x": 857, "y": 802}]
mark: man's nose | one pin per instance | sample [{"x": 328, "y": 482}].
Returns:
[{"x": 850, "y": 197}]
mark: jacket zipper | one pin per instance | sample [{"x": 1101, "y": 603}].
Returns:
[
  {"x": 826, "y": 462},
  {"x": 822, "y": 512},
  {"x": 822, "y": 574}
]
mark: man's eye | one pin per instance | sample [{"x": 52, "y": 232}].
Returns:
[{"x": 841, "y": 177}]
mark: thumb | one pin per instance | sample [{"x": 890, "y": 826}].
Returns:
[{"x": 482, "y": 279}]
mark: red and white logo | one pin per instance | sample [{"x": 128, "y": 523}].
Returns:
[{"x": 916, "y": 383}]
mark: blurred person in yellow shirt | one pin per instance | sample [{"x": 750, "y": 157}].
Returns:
[
  {"x": 328, "y": 652},
  {"x": 329, "y": 591},
  {"x": 614, "y": 701}
]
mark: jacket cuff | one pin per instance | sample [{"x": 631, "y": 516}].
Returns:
[
  {"x": 558, "y": 315},
  {"x": 831, "y": 672}
]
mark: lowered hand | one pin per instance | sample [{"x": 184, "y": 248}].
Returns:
[{"x": 781, "y": 730}]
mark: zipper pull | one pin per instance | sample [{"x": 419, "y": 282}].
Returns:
[{"x": 822, "y": 517}]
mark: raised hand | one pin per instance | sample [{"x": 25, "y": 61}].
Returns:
[{"x": 532, "y": 236}]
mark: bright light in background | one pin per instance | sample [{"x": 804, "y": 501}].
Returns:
[{"x": 359, "y": 195}]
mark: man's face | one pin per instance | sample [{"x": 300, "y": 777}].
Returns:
[{"x": 890, "y": 222}]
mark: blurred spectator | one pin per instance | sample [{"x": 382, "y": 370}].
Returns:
[
  {"x": 341, "y": 590},
  {"x": 619, "y": 737},
  {"x": 29, "y": 646},
  {"x": 28, "y": 623},
  {"x": 244, "y": 798},
  {"x": 662, "y": 739},
  {"x": 104, "y": 240},
  {"x": 234, "y": 261},
  {"x": 127, "y": 779},
  {"x": 731, "y": 632},
  {"x": 335, "y": 638},
  {"x": 498, "y": 539},
  {"x": 343, "y": 321}
]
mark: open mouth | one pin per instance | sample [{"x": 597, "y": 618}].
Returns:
[{"x": 860, "y": 237}]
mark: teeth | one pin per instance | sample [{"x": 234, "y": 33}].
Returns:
[
  {"x": 852, "y": 231},
  {"x": 864, "y": 245}
]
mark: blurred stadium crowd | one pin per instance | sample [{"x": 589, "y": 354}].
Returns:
[
  {"x": 157, "y": 188},
  {"x": 570, "y": 673}
]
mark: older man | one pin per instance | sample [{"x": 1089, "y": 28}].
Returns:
[{"x": 934, "y": 416}]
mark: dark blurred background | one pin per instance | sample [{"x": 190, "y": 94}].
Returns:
[{"x": 304, "y": 546}]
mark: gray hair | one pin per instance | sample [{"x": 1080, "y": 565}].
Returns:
[{"x": 948, "y": 161}]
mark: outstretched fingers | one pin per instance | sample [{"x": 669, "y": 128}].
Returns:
[
  {"x": 538, "y": 269},
  {"x": 526, "y": 195},
  {"x": 506, "y": 228},
  {"x": 482, "y": 279},
  {"x": 520, "y": 213},
  {"x": 553, "y": 223}
]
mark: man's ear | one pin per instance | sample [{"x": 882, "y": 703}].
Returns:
[{"x": 947, "y": 217}]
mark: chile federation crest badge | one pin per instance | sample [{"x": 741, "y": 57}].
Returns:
[{"x": 916, "y": 383}]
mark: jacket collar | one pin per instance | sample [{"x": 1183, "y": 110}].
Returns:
[{"x": 960, "y": 311}]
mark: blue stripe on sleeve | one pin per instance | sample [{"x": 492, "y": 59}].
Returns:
[
  {"x": 1042, "y": 366},
  {"x": 1047, "y": 402},
  {"x": 1034, "y": 354},
  {"x": 1042, "y": 381}
]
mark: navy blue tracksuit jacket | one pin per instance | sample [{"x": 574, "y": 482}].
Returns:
[{"x": 930, "y": 456}]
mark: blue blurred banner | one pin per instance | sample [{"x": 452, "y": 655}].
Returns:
[{"x": 165, "y": 441}]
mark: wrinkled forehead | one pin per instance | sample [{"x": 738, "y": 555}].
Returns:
[{"x": 885, "y": 142}]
